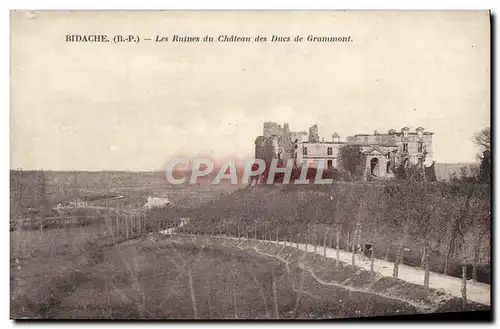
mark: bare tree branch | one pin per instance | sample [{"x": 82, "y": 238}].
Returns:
[{"x": 483, "y": 138}]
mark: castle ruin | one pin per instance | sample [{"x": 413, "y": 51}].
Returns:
[{"x": 383, "y": 151}]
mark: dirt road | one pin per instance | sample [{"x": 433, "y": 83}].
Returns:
[{"x": 476, "y": 292}]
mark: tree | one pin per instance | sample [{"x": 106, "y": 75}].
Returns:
[
  {"x": 360, "y": 209},
  {"x": 306, "y": 213},
  {"x": 352, "y": 160},
  {"x": 402, "y": 200},
  {"x": 481, "y": 214},
  {"x": 483, "y": 140},
  {"x": 485, "y": 167},
  {"x": 409, "y": 171},
  {"x": 337, "y": 202},
  {"x": 460, "y": 192},
  {"x": 427, "y": 222},
  {"x": 375, "y": 217}
]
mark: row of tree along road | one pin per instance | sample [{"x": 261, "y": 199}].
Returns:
[{"x": 441, "y": 227}]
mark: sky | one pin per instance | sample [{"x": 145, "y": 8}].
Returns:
[{"x": 90, "y": 106}]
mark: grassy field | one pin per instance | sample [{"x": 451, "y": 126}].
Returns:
[
  {"x": 34, "y": 198},
  {"x": 62, "y": 272},
  {"x": 77, "y": 274},
  {"x": 40, "y": 259},
  {"x": 135, "y": 186}
]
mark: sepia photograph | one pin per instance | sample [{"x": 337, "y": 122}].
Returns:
[{"x": 250, "y": 165}]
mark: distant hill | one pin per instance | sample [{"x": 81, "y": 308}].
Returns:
[
  {"x": 40, "y": 190},
  {"x": 447, "y": 171}
]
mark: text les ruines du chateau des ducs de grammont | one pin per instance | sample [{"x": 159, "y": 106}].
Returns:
[{"x": 223, "y": 38}]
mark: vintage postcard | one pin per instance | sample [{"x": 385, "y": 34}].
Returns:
[{"x": 250, "y": 165}]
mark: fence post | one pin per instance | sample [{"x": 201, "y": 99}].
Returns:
[
  {"x": 464, "y": 286},
  {"x": 141, "y": 224},
  {"x": 266, "y": 232},
  {"x": 137, "y": 223},
  {"x": 136, "y": 227},
  {"x": 338, "y": 249},
  {"x": 387, "y": 252},
  {"x": 426, "y": 268},
  {"x": 131, "y": 217},
  {"x": 128, "y": 221},
  {"x": 353, "y": 248},
  {"x": 277, "y": 233},
  {"x": 324, "y": 244},
  {"x": 315, "y": 240},
  {"x": 306, "y": 236},
  {"x": 422, "y": 260}
]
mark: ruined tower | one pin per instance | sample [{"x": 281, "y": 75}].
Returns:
[{"x": 314, "y": 134}]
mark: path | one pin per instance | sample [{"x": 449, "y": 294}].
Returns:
[
  {"x": 476, "y": 291},
  {"x": 419, "y": 307},
  {"x": 97, "y": 208},
  {"x": 89, "y": 206}
]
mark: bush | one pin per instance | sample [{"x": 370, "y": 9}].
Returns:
[{"x": 352, "y": 160}]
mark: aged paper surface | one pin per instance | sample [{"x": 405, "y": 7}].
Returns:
[{"x": 249, "y": 164}]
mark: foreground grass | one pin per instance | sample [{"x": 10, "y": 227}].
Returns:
[
  {"x": 78, "y": 274},
  {"x": 43, "y": 259}
]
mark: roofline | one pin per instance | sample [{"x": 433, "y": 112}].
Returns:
[
  {"x": 325, "y": 143},
  {"x": 396, "y": 133},
  {"x": 373, "y": 144}
]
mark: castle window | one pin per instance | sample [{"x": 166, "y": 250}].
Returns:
[
  {"x": 330, "y": 163},
  {"x": 421, "y": 162},
  {"x": 304, "y": 151},
  {"x": 420, "y": 147},
  {"x": 405, "y": 132},
  {"x": 329, "y": 151},
  {"x": 405, "y": 147}
]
